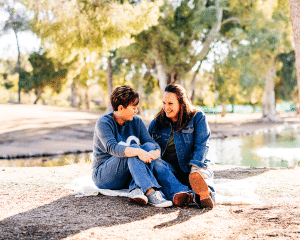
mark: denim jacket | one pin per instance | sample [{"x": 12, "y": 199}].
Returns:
[{"x": 192, "y": 142}]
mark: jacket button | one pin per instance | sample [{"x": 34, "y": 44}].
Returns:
[
  {"x": 177, "y": 134},
  {"x": 180, "y": 150}
]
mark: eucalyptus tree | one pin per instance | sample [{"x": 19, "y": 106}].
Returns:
[
  {"x": 265, "y": 35},
  {"x": 46, "y": 72},
  {"x": 132, "y": 58},
  {"x": 17, "y": 21},
  {"x": 182, "y": 38},
  {"x": 295, "y": 16},
  {"x": 87, "y": 26}
]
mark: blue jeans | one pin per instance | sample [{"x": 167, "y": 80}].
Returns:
[
  {"x": 119, "y": 173},
  {"x": 165, "y": 176},
  {"x": 175, "y": 180}
]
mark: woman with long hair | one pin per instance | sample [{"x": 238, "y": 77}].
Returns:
[{"x": 182, "y": 133}]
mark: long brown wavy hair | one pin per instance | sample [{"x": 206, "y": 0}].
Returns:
[{"x": 186, "y": 111}]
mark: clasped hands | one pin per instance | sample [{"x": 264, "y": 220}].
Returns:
[{"x": 148, "y": 157}]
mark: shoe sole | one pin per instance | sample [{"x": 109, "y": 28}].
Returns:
[
  {"x": 139, "y": 200},
  {"x": 200, "y": 187},
  {"x": 181, "y": 199},
  {"x": 162, "y": 205}
]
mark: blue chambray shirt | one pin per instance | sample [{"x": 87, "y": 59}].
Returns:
[{"x": 191, "y": 143}]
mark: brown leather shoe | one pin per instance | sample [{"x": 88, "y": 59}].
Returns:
[
  {"x": 182, "y": 199},
  {"x": 200, "y": 187}
]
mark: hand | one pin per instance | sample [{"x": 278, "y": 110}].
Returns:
[
  {"x": 155, "y": 153},
  {"x": 145, "y": 156}
]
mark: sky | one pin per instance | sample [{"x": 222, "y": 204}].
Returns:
[{"x": 28, "y": 41}]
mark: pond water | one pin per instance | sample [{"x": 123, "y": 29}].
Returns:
[
  {"x": 272, "y": 149},
  {"x": 51, "y": 161}
]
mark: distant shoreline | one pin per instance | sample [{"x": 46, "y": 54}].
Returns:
[{"x": 28, "y": 131}]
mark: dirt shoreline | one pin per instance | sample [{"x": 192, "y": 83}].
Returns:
[{"x": 34, "y": 203}]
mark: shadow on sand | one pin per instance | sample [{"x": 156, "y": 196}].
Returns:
[{"x": 69, "y": 215}]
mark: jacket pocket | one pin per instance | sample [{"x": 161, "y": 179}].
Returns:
[
  {"x": 188, "y": 130},
  {"x": 188, "y": 134}
]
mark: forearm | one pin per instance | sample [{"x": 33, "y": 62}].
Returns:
[
  {"x": 143, "y": 155},
  {"x": 132, "y": 152}
]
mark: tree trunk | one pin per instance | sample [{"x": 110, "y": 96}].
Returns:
[
  {"x": 161, "y": 75},
  {"x": 172, "y": 78},
  {"x": 38, "y": 95},
  {"x": 212, "y": 33},
  {"x": 109, "y": 81},
  {"x": 140, "y": 91},
  {"x": 87, "y": 99},
  {"x": 268, "y": 98},
  {"x": 295, "y": 16},
  {"x": 223, "y": 109},
  {"x": 193, "y": 82},
  {"x": 73, "y": 95},
  {"x": 18, "y": 67}
]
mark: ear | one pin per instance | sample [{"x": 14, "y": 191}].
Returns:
[{"x": 120, "y": 108}]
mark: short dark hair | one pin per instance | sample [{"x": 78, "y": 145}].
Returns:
[{"x": 124, "y": 95}]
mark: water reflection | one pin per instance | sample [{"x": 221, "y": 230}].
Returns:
[
  {"x": 53, "y": 161},
  {"x": 273, "y": 149}
]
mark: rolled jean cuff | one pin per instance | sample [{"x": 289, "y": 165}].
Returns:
[{"x": 198, "y": 164}]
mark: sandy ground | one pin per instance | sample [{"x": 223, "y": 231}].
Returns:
[{"x": 35, "y": 205}]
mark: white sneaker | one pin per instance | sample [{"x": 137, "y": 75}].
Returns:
[
  {"x": 138, "y": 196},
  {"x": 156, "y": 199}
]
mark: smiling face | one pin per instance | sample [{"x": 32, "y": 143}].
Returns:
[{"x": 171, "y": 106}]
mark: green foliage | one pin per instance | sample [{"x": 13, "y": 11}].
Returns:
[
  {"x": 84, "y": 27},
  {"x": 208, "y": 16},
  {"x": 25, "y": 81},
  {"x": 248, "y": 79},
  {"x": 17, "y": 21},
  {"x": 287, "y": 76},
  {"x": 45, "y": 73},
  {"x": 150, "y": 84},
  {"x": 5, "y": 76},
  {"x": 171, "y": 40},
  {"x": 258, "y": 43},
  {"x": 8, "y": 85},
  {"x": 93, "y": 25}
]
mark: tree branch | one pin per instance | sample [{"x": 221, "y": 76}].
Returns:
[
  {"x": 212, "y": 34},
  {"x": 231, "y": 19},
  {"x": 153, "y": 74}
]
